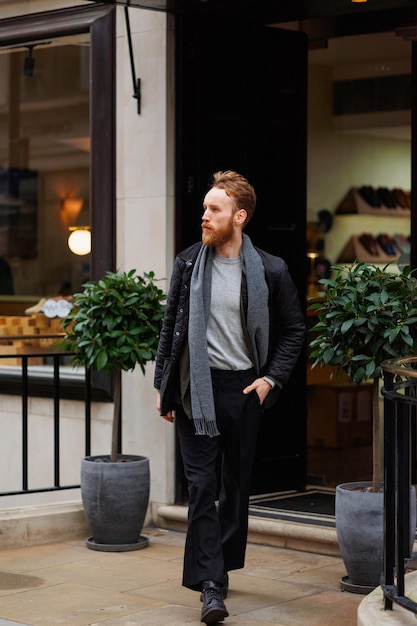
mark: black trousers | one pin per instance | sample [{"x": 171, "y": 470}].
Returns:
[{"x": 217, "y": 536}]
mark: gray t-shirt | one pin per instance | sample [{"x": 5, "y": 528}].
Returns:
[{"x": 226, "y": 345}]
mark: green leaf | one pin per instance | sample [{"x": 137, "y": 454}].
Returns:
[
  {"x": 360, "y": 321},
  {"x": 359, "y": 376},
  {"x": 392, "y": 333},
  {"x": 370, "y": 369},
  {"x": 328, "y": 356},
  {"x": 384, "y": 296},
  {"x": 409, "y": 340},
  {"x": 347, "y": 325},
  {"x": 101, "y": 361},
  {"x": 360, "y": 357}
]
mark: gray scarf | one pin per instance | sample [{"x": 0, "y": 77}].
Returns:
[{"x": 202, "y": 401}]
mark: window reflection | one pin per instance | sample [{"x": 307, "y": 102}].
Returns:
[
  {"x": 57, "y": 120},
  {"x": 44, "y": 169},
  {"x": 44, "y": 188}
]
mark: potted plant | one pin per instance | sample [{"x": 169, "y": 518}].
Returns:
[
  {"x": 368, "y": 315},
  {"x": 113, "y": 326}
]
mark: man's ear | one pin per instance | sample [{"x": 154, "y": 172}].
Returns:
[{"x": 240, "y": 216}]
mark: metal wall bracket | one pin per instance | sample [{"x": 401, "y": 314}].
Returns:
[{"x": 136, "y": 81}]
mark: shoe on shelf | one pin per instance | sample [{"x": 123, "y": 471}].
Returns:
[
  {"x": 369, "y": 243},
  {"x": 213, "y": 609},
  {"x": 386, "y": 244},
  {"x": 386, "y": 197},
  {"x": 370, "y": 195},
  {"x": 401, "y": 199}
]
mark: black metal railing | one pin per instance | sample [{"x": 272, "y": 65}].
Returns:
[
  {"x": 400, "y": 402},
  {"x": 55, "y": 385}
]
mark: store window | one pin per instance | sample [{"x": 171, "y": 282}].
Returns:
[
  {"x": 44, "y": 173},
  {"x": 56, "y": 169}
]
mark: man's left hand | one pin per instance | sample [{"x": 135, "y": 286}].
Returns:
[{"x": 262, "y": 388}]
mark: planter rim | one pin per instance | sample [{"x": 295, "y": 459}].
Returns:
[
  {"x": 354, "y": 483},
  {"x": 130, "y": 458}
]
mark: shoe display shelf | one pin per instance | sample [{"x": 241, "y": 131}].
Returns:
[
  {"x": 370, "y": 226},
  {"x": 369, "y": 200},
  {"x": 26, "y": 335},
  {"x": 355, "y": 250}
]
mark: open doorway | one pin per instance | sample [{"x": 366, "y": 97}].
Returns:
[{"x": 359, "y": 143}]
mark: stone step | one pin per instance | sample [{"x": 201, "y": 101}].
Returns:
[{"x": 272, "y": 532}]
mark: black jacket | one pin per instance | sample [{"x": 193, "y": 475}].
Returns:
[{"x": 286, "y": 324}]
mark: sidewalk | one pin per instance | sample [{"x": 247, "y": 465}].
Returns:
[{"x": 66, "y": 583}]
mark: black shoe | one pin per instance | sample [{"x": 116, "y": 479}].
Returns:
[
  {"x": 213, "y": 606},
  {"x": 225, "y": 588}
]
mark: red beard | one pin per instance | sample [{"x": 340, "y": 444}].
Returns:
[{"x": 218, "y": 236}]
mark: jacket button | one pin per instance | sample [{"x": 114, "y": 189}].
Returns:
[
  {"x": 177, "y": 333},
  {"x": 189, "y": 263},
  {"x": 181, "y": 310}
]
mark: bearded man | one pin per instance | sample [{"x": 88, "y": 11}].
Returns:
[{"x": 232, "y": 333}]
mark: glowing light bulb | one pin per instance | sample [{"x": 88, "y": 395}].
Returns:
[{"x": 79, "y": 241}]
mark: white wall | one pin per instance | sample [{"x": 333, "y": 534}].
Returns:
[{"x": 145, "y": 215}]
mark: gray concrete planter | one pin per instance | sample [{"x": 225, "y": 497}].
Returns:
[
  {"x": 360, "y": 533},
  {"x": 115, "y": 499}
]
